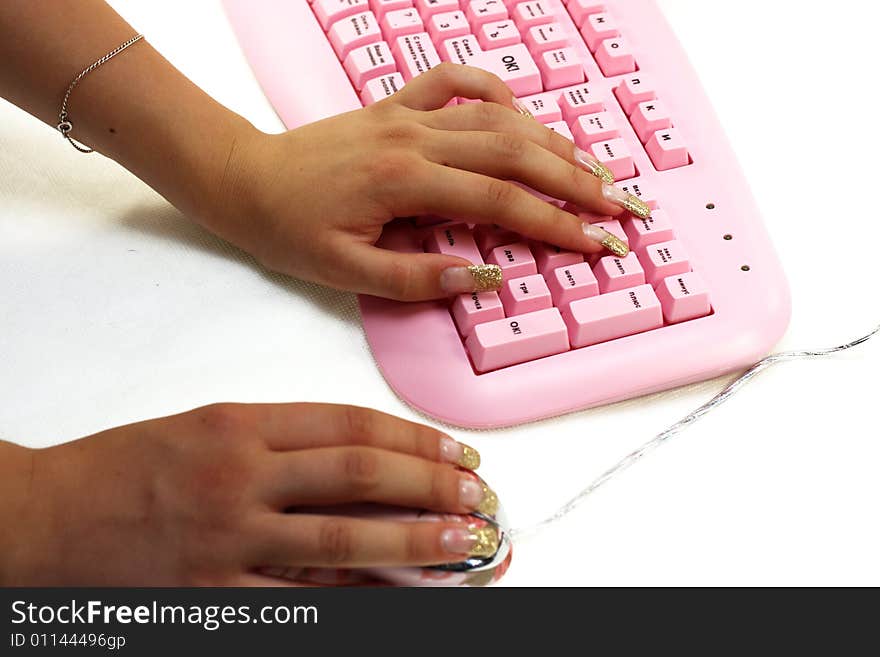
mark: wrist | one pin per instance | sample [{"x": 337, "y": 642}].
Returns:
[{"x": 18, "y": 501}]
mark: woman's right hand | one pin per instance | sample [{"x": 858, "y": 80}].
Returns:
[{"x": 211, "y": 497}]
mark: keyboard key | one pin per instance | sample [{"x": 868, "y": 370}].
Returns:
[
  {"x": 614, "y": 57},
  {"x": 615, "y": 155},
  {"x": 648, "y": 117},
  {"x": 329, "y": 11},
  {"x": 613, "y": 315},
  {"x": 634, "y": 89},
  {"x": 515, "y": 260},
  {"x": 460, "y": 50},
  {"x": 560, "y": 68},
  {"x": 382, "y": 7},
  {"x": 580, "y": 9},
  {"x": 518, "y": 339},
  {"x": 664, "y": 259},
  {"x": 515, "y": 66},
  {"x": 498, "y": 34},
  {"x": 549, "y": 258},
  {"x": 456, "y": 241},
  {"x": 643, "y": 191},
  {"x": 683, "y": 297},
  {"x": 541, "y": 38},
  {"x": 428, "y": 8},
  {"x": 562, "y": 128},
  {"x": 468, "y": 310},
  {"x": 447, "y": 25},
  {"x": 667, "y": 150},
  {"x": 597, "y": 28},
  {"x": 485, "y": 11},
  {"x": 590, "y": 128},
  {"x": 571, "y": 283},
  {"x": 525, "y": 295},
  {"x": 543, "y": 107},
  {"x": 529, "y": 14},
  {"x": 415, "y": 54},
  {"x": 368, "y": 62},
  {"x": 401, "y": 22},
  {"x": 579, "y": 100},
  {"x": 381, "y": 87},
  {"x": 490, "y": 236},
  {"x": 353, "y": 32},
  {"x": 615, "y": 273},
  {"x": 645, "y": 232}
]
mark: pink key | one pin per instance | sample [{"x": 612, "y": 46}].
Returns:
[
  {"x": 643, "y": 191},
  {"x": 664, "y": 259},
  {"x": 460, "y": 50},
  {"x": 529, "y": 14},
  {"x": 571, "y": 283},
  {"x": 415, "y": 55},
  {"x": 615, "y": 273},
  {"x": 498, "y": 34},
  {"x": 648, "y": 117},
  {"x": 614, "y": 57},
  {"x": 515, "y": 260},
  {"x": 518, "y": 339},
  {"x": 368, "y": 62},
  {"x": 447, "y": 25},
  {"x": 525, "y": 295},
  {"x": 382, "y": 7},
  {"x": 401, "y": 22},
  {"x": 543, "y": 107},
  {"x": 454, "y": 240},
  {"x": 353, "y": 32},
  {"x": 613, "y": 315},
  {"x": 579, "y": 100},
  {"x": 490, "y": 236},
  {"x": 549, "y": 36},
  {"x": 562, "y": 128},
  {"x": 667, "y": 150},
  {"x": 645, "y": 232},
  {"x": 597, "y": 28},
  {"x": 580, "y": 9},
  {"x": 428, "y": 8},
  {"x": 468, "y": 310},
  {"x": 485, "y": 11},
  {"x": 329, "y": 11},
  {"x": 381, "y": 87},
  {"x": 615, "y": 155},
  {"x": 549, "y": 257},
  {"x": 560, "y": 68},
  {"x": 633, "y": 90},
  {"x": 590, "y": 128},
  {"x": 683, "y": 297},
  {"x": 515, "y": 66}
]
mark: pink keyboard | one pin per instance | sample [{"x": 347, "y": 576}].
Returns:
[{"x": 701, "y": 292}]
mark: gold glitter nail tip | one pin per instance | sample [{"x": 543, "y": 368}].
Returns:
[
  {"x": 637, "y": 206},
  {"x": 470, "y": 458},
  {"x": 617, "y": 246},
  {"x": 487, "y": 278},
  {"x": 486, "y": 542},
  {"x": 489, "y": 505}
]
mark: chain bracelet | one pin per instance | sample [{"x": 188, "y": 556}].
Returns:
[{"x": 64, "y": 124}]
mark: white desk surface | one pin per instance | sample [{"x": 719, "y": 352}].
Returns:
[{"x": 114, "y": 309}]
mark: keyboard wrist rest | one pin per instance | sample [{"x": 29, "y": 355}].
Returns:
[{"x": 301, "y": 73}]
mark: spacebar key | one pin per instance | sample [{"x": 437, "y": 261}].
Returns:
[{"x": 517, "y": 339}]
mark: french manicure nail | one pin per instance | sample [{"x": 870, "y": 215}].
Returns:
[
  {"x": 593, "y": 165},
  {"x": 481, "y": 542},
  {"x": 476, "y": 278},
  {"x": 458, "y": 453},
  {"x": 521, "y": 108},
  {"x": 610, "y": 241},
  {"x": 475, "y": 494},
  {"x": 627, "y": 201}
]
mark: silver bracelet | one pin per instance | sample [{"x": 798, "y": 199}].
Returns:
[{"x": 64, "y": 124}]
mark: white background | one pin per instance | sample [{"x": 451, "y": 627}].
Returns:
[{"x": 114, "y": 309}]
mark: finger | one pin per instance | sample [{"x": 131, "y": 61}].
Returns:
[
  {"x": 441, "y": 84},
  {"x": 340, "y": 475},
  {"x": 287, "y": 576},
  {"x": 338, "y": 542}
]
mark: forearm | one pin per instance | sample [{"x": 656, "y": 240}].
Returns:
[
  {"x": 16, "y": 474},
  {"x": 137, "y": 108}
]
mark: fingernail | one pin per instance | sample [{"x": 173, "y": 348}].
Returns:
[
  {"x": 610, "y": 241},
  {"x": 481, "y": 542},
  {"x": 463, "y": 455},
  {"x": 626, "y": 200},
  {"x": 521, "y": 108},
  {"x": 594, "y": 166},
  {"x": 475, "y": 494},
  {"x": 476, "y": 278}
]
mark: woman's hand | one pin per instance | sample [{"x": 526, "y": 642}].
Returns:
[
  {"x": 200, "y": 499},
  {"x": 312, "y": 202}
]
